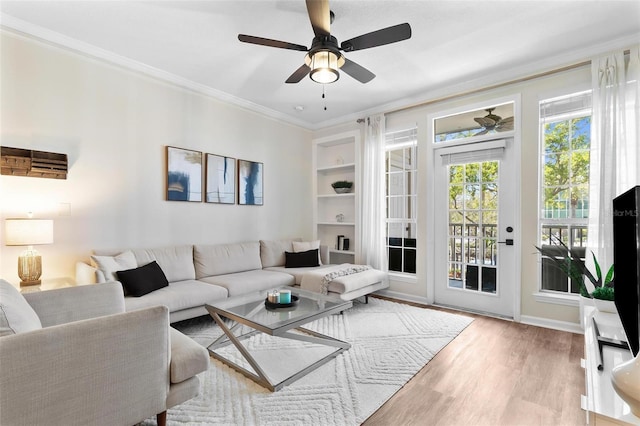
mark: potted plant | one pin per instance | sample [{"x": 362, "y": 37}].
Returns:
[
  {"x": 342, "y": 186},
  {"x": 569, "y": 262}
]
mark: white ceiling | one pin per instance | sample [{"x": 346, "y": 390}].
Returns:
[{"x": 456, "y": 45}]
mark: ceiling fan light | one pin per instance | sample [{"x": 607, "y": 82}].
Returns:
[{"x": 324, "y": 66}]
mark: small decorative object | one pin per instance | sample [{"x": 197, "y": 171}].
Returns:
[
  {"x": 339, "y": 242},
  {"x": 221, "y": 179},
  {"x": 285, "y": 296},
  {"x": 276, "y": 299},
  {"x": 273, "y": 296},
  {"x": 625, "y": 379},
  {"x": 184, "y": 175},
  {"x": 29, "y": 232},
  {"x": 339, "y": 161},
  {"x": 340, "y": 217},
  {"x": 250, "y": 183},
  {"x": 603, "y": 299},
  {"x": 345, "y": 244},
  {"x": 342, "y": 186}
]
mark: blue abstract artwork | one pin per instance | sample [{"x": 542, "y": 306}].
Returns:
[
  {"x": 250, "y": 183},
  {"x": 221, "y": 179},
  {"x": 184, "y": 174}
]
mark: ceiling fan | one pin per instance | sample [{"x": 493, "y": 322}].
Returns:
[
  {"x": 324, "y": 57},
  {"x": 493, "y": 122}
]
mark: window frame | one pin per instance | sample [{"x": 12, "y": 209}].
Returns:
[
  {"x": 569, "y": 224},
  {"x": 395, "y": 141}
]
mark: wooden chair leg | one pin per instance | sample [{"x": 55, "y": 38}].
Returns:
[{"x": 161, "y": 418}]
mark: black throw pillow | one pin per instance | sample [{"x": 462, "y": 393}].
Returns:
[
  {"x": 143, "y": 280},
  {"x": 302, "y": 259}
]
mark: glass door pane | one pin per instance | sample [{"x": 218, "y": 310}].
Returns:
[{"x": 473, "y": 225}]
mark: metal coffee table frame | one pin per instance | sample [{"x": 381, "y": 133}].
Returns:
[{"x": 282, "y": 329}]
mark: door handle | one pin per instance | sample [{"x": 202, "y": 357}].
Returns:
[{"x": 508, "y": 241}]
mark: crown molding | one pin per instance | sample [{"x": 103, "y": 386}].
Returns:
[
  {"x": 54, "y": 39},
  {"x": 513, "y": 75}
]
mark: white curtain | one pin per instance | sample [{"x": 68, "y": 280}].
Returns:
[
  {"x": 615, "y": 155},
  {"x": 372, "y": 195}
]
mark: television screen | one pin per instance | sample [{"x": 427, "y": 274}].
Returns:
[{"x": 626, "y": 261}]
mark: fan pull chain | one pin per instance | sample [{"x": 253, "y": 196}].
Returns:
[{"x": 323, "y": 97}]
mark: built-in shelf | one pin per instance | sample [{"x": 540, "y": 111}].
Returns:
[
  {"x": 348, "y": 252},
  {"x": 337, "y": 167},
  {"x": 336, "y": 158},
  {"x": 347, "y": 195}
]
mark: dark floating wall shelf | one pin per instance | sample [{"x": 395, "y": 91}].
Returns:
[{"x": 26, "y": 162}]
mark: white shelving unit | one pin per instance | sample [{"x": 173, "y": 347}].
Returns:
[
  {"x": 602, "y": 404},
  {"x": 336, "y": 158}
]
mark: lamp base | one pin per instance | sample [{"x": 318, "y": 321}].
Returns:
[
  {"x": 29, "y": 268},
  {"x": 625, "y": 379}
]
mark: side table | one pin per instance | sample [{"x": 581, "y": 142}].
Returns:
[{"x": 49, "y": 284}]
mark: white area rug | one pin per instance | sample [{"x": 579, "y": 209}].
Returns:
[{"x": 390, "y": 342}]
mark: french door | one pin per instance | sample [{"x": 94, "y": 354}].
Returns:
[{"x": 475, "y": 236}]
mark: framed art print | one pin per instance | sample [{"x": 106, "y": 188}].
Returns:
[
  {"x": 250, "y": 183},
  {"x": 184, "y": 175},
  {"x": 220, "y": 181}
]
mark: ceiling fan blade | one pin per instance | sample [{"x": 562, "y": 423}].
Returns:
[
  {"x": 378, "y": 38},
  {"x": 358, "y": 72},
  {"x": 484, "y": 121},
  {"x": 482, "y": 132},
  {"x": 319, "y": 15},
  {"x": 299, "y": 74},
  {"x": 271, "y": 43},
  {"x": 505, "y": 125}
]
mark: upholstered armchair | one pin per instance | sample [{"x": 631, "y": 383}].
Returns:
[{"x": 73, "y": 356}]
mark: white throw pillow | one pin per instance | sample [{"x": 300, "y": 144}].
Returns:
[
  {"x": 109, "y": 265},
  {"x": 300, "y": 246},
  {"x": 16, "y": 314}
]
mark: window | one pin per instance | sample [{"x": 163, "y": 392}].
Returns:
[
  {"x": 487, "y": 120},
  {"x": 401, "y": 189},
  {"x": 565, "y": 140}
]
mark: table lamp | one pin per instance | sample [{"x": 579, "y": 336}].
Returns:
[{"x": 29, "y": 232}]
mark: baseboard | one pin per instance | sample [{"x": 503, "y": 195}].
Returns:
[
  {"x": 403, "y": 296},
  {"x": 571, "y": 327}
]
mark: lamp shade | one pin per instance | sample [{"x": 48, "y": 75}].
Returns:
[{"x": 28, "y": 232}]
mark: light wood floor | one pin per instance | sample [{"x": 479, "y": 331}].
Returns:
[{"x": 496, "y": 373}]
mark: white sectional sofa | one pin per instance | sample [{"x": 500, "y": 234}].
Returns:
[{"x": 200, "y": 274}]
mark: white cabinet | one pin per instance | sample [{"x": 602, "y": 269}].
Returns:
[
  {"x": 336, "y": 158},
  {"x": 602, "y": 404}
]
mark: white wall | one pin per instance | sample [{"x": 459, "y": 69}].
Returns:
[{"x": 114, "y": 125}]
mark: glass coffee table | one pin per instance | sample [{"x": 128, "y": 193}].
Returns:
[{"x": 274, "y": 362}]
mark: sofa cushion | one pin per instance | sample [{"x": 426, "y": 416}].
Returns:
[
  {"x": 349, "y": 283},
  {"x": 187, "y": 357},
  {"x": 176, "y": 261},
  {"x": 248, "y": 281},
  {"x": 16, "y": 315},
  {"x": 143, "y": 280},
  {"x": 272, "y": 252},
  {"x": 178, "y": 296},
  {"x": 297, "y": 273},
  {"x": 302, "y": 246},
  {"x": 302, "y": 259},
  {"x": 109, "y": 265},
  {"x": 220, "y": 259}
]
